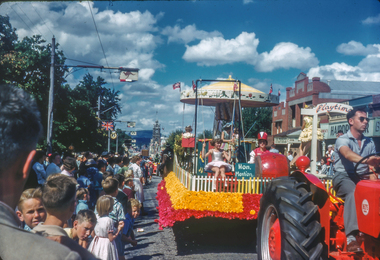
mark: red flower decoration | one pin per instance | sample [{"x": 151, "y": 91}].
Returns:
[{"x": 168, "y": 216}]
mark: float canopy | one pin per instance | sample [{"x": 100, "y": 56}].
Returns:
[{"x": 222, "y": 92}]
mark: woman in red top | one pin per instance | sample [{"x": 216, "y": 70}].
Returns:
[{"x": 262, "y": 137}]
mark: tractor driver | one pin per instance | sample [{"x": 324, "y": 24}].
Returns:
[{"x": 351, "y": 148}]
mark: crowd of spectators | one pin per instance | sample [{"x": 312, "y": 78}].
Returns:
[{"x": 62, "y": 206}]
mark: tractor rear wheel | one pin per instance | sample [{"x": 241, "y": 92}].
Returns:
[{"x": 288, "y": 222}]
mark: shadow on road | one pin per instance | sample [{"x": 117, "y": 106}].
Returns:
[{"x": 215, "y": 235}]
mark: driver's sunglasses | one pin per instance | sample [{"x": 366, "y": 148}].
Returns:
[{"x": 362, "y": 118}]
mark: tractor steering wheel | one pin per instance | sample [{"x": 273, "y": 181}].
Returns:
[{"x": 359, "y": 162}]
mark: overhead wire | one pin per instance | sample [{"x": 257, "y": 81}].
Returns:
[
  {"x": 22, "y": 19},
  {"x": 42, "y": 20},
  {"x": 101, "y": 44},
  {"x": 43, "y": 36},
  {"x": 30, "y": 20}
]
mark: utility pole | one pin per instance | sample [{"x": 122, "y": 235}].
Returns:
[
  {"x": 109, "y": 140},
  {"x": 99, "y": 110},
  {"x": 51, "y": 100}
]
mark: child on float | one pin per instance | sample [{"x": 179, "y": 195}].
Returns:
[
  {"x": 30, "y": 209},
  {"x": 103, "y": 245},
  {"x": 263, "y": 142},
  {"x": 227, "y": 137},
  {"x": 217, "y": 165}
]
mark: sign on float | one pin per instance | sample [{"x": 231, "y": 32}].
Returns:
[{"x": 244, "y": 170}]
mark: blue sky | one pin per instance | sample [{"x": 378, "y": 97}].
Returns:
[{"x": 257, "y": 42}]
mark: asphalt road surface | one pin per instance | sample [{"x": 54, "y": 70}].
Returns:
[{"x": 206, "y": 238}]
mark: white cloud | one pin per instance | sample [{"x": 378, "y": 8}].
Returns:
[
  {"x": 128, "y": 38},
  {"x": 357, "y": 48},
  {"x": 371, "y": 63},
  {"x": 286, "y": 55},
  {"x": 218, "y": 51},
  {"x": 343, "y": 71},
  {"x": 187, "y": 34},
  {"x": 372, "y": 20}
]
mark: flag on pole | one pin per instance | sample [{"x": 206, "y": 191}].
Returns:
[
  {"x": 279, "y": 93},
  {"x": 107, "y": 126},
  {"x": 271, "y": 89},
  {"x": 235, "y": 87},
  {"x": 194, "y": 87},
  {"x": 177, "y": 85}
]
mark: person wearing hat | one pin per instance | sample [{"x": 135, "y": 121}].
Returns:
[
  {"x": 129, "y": 186},
  {"x": 263, "y": 141}
]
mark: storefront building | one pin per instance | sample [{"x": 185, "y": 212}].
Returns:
[{"x": 287, "y": 119}]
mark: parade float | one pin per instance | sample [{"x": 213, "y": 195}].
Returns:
[{"x": 187, "y": 192}]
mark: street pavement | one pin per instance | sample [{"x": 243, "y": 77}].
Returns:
[{"x": 206, "y": 238}]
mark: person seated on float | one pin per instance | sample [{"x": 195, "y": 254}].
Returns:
[
  {"x": 262, "y": 137},
  {"x": 227, "y": 137},
  {"x": 217, "y": 165}
]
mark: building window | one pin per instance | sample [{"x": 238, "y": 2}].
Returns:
[
  {"x": 275, "y": 113},
  {"x": 299, "y": 87},
  {"x": 283, "y": 112},
  {"x": 278, "y": 127},
  {"x": 291, "y": 93},
  {"x": 309, "y": 87}
]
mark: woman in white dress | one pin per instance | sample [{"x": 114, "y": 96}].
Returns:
[
  {"x": 217, "y": 165},
  {"x": 137, "y": 173},
  {"x": 103, "y": 245}
]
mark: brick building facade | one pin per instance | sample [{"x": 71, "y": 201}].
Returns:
[{"x": 287, "y": 115}]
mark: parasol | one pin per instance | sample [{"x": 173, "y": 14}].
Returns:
[{"x": 226, "y": 92}]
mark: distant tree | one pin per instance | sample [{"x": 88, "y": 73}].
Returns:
[
  {"x": 26, "y": 64},
  {"x": 207, "y": 134},
  {"x": 261, "y": 116},
  {"x": 8, "y": 39},
  {"x": 171, "y": 138}
]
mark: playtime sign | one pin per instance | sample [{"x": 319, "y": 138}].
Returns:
[{"x": 244, "y": 170}]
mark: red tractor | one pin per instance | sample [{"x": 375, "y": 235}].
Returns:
[{"x": 300, "y": 219}]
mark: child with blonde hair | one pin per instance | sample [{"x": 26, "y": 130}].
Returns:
[
  {"x": 133, "y": 211},
  {"x": 30, "y": 208},
  {"x": 103, "y": 245}
]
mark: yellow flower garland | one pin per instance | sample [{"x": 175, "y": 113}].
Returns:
[{"x": 182, "y": 198}]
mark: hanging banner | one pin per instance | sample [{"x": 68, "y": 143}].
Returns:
[
  {"x": 128, "y": 76},
  {"x": 131, "y": 124}
]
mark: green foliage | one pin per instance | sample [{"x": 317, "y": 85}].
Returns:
[
  {"x": 172, "y": 136},
  {"x": 26, "y": 63},
  {"x": 207, "y": 135},
  {"x": 263, "y": 118}
]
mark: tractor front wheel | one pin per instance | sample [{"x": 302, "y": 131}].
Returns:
[{"x": 288, "y": 222}]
